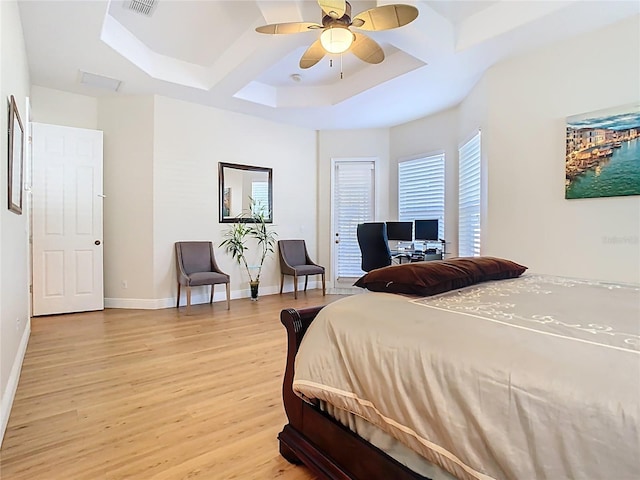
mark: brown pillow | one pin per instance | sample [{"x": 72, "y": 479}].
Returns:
[
  {"x": 438, "y": 276},
  {"x": 489, "y": 268}
]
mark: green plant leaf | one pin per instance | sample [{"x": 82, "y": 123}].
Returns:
[{"x": 238, "y": 233}]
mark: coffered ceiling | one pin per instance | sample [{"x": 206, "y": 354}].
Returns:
[{"x": 208, "y": 52}]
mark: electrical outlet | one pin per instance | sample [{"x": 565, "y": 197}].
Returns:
[{"x": 125, "y": 284}]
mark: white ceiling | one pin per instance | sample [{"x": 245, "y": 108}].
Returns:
[{"x": 208, "y": 52}]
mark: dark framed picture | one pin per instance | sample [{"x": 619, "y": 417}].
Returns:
[{"x": 16, "y": 157}]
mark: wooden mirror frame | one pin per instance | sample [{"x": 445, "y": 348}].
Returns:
[
  {"x": 222, "y": 186},
  {"x": 16, "y": 158}
]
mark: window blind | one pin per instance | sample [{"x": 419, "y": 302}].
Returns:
[
  {"x": 353, "y": 203},
  {"x": 421, "y": 190},
  {"x": 260, "y": 196},
  {"x": 469, "y": 198}
]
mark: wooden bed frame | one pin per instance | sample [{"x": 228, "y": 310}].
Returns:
[{"x": 325, "y": 446}]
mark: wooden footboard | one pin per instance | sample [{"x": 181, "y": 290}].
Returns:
[{"x": 312, "y": 437}]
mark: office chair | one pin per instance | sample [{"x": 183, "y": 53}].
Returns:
[
  {"x": 374, "y": 246},
  {"x": 294, "y": 260},
  {"x": 196, "y": 265}
]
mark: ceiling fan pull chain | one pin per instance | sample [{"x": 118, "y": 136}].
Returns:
[
  {"x": 341, "y": 77},
  {"x": 331, "y": 63}
]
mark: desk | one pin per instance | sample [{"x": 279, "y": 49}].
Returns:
[
  {"x": 428, "y": 250},
  {"x": 411, "y": 256}
]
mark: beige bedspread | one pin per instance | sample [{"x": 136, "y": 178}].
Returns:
[{"x": 531, "y": 378}]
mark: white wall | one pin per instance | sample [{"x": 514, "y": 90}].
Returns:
[
  {"x": 127, "y": 123},
  {"x": 521, "y": 107},
  {"x": 430, "y": 135},
  {"x": 161, "y": 184},
  {"x": 339, "y": 144},
  {"x": 189, "y": 141},
  {"x": 529, "y": 100},
  {"x": 14, "y": 253},
  {"x": 62, "y": 108}
]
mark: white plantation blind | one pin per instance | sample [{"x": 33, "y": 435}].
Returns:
[
  {"x": 260, "y": 195},
  {"x": 354, "y": 203},
  {"x": 469, "y": 198},
  {"x": 421, "y": 190}
]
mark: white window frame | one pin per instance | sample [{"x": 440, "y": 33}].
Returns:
[
  {"x": 434, "y": 209},
  {"x": 470, "y": 196},
  {"x": 260, "y": 196}
]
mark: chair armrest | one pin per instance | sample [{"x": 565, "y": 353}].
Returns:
[
  {"x": 308, "y": 259},
  {"x": 214, "y": 265},
  {"x": 285, "y": 267},
  {"x": 183, "y": 278}
]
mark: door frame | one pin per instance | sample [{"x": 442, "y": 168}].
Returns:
[{"x": 346, "y": 287}]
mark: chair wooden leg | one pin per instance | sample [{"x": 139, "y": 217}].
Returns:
[
  {"x": 211, "y": 298},
  {"x": 178, "y": 301},
  {"x": 228, "y": 285},
  {"x": 188, "y": 299},
  {"x": 306, "y": 280},
  {"x": 323, "y": 288},
  {"x": 281, "y": 282},
  {"x": 295, "y": 286}
]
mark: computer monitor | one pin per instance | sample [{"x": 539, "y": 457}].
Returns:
[
  {"x": 402, "y": 231},
  {"x": 426, "y": 230}
]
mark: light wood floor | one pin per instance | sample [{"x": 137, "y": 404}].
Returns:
[{"x": 142, "y": 394}]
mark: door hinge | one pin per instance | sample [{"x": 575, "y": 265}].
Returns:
[{"x": 30, "y": 288}]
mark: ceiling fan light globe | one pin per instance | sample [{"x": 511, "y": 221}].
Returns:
[{"x": 336, "y": 39}]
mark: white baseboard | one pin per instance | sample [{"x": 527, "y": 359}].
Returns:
[
  {"x": 14, "y": 377},
  {"x": 200, "y": 297},
  {"x": 344, "y": 290}
]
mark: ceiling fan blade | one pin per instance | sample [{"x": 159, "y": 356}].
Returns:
[
  {"x": 313, "y": 55},
  {"x": 293, "y": 27},
  {"x": 366, "y": 49},
  {"x": 334, "y": 8},
  {"x": 385, "y": 17}
]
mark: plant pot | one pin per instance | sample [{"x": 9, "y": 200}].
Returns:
[{"x": 254, "y": 290}]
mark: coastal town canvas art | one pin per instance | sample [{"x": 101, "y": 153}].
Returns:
[{"x": 603, "y": 153}]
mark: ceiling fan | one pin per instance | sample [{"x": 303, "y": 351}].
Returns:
[{"x": 336, "y": 36}]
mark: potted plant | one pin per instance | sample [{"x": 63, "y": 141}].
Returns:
[{"x": 237, "y": 235}]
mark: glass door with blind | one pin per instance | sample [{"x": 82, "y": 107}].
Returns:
[{"x": 353, "y": 202}]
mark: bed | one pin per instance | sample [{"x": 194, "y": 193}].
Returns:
[{"x": 499, "y": 376}]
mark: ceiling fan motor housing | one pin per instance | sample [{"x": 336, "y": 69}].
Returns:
[{"x": 345, "y": 20}]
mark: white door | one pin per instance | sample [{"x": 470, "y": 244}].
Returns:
[
  {"x": 67, "y": 220},
  {"x": 353, "y": 193}
]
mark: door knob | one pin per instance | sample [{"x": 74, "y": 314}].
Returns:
[{"x": 97, "y": 242}]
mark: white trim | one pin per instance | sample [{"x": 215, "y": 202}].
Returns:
[
  {"x": 377, "y": 187},
  {"x": 202, "y": 298},
  {"x": 139, "y": 303},
  {"x": 12, "y": 384},
  {"x": 345, "y": 291}
]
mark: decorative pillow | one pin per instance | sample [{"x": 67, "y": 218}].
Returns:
[
  {"x": 484, "y": 269},
  {"x": 438, "y": 276}
]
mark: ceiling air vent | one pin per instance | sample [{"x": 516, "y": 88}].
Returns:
[
  {"x": 143, "y": 7},
  {"x": 98, "y": 81}
]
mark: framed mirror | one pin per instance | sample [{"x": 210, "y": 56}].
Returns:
[
  {"x": 16, "y": 158},
  {"x": 237, "y": 185}
]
